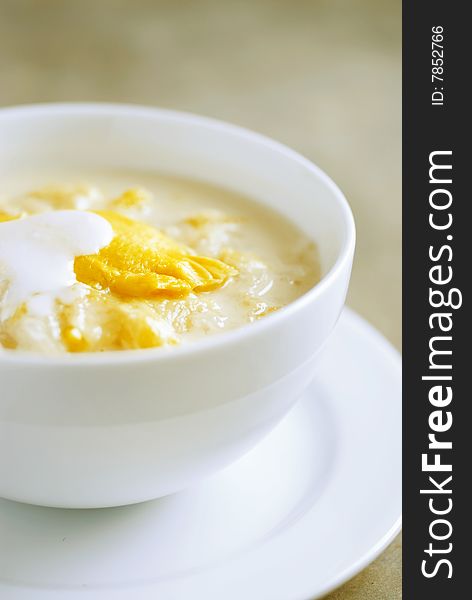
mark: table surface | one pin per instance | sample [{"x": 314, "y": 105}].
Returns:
[{"x": 323, "y": 76}]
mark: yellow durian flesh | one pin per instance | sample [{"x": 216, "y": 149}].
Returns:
[{"x": 142, "y": 262}]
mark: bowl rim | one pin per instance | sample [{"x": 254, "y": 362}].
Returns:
[{"x": 161, "y": 354}]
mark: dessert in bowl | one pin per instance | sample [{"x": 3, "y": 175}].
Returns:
[
  {"x": 151, "y": 335},
  {"x": 91, "y": 269}
]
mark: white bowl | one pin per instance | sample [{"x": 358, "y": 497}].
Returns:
[{"x": 107, "y": 429}]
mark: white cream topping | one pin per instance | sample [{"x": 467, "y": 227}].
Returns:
[{"x": 37, "y": 254}]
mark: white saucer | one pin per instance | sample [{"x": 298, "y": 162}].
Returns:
[{"x": 307, "y": 509}]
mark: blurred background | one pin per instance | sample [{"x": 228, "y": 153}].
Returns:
[{"x": 323, "y": 76}]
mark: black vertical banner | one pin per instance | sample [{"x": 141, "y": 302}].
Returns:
[{"x": 437, "y": 260}]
